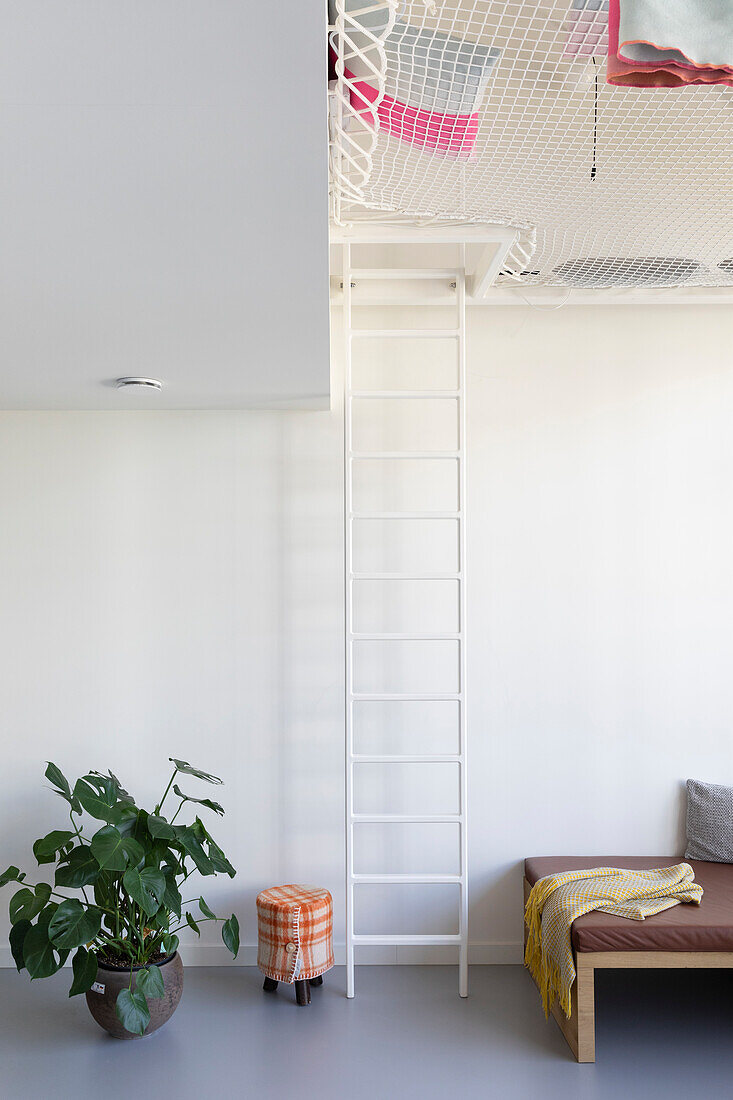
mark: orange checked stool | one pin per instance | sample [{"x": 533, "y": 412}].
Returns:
[{"x": 295, "y": 937}]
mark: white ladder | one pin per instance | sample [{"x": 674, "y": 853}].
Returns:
[{"x": 353, "y": 819}]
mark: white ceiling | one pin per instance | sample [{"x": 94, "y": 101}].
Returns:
[{"x": 163, "y": 203}]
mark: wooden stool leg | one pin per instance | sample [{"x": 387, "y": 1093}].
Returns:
[
  {"x": 317, "y": 981},
  {"x": 269, "y": 985},
  {"x": 302, "y": 993}
]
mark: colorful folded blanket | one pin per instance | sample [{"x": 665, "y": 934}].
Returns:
[
  {"x": 434, "y": 83},
  {"x": 557, "y": 900},
  {"x": 586, "y": 29},
  {"x": 670, "y": 43}
]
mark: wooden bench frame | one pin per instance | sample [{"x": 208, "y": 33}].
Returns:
[{"x": 580, "y": 1029}]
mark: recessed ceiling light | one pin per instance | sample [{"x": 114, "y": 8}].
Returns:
[{"x": 138, "y": 383}]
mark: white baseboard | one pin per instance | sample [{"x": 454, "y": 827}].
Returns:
[{"x": 479, "y": 954}]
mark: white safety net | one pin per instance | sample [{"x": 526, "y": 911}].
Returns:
[{"x": 497, "y": 111}]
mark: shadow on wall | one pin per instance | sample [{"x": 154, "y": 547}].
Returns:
[{"x": 309, "y": 633}]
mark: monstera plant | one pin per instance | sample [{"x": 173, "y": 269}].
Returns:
[{"x": 117, "y": 897}]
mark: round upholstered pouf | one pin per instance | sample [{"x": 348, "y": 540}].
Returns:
[{"x": 295, "y": 937}]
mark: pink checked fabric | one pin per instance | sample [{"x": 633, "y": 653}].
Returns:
[
  {"x": 295, "y": 932},
  {"x": 586, "y": 29}
]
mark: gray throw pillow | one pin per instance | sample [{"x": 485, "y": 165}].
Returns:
[{"x": 709, "y": 822}]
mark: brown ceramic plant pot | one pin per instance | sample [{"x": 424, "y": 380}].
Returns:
[{"x": 102, "y": 997}]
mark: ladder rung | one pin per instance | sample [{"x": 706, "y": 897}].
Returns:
[
  {"x": 406, "y": 941},
  {"x": 445, "y": 300},
  {"x": 404, "y": 515},
  {"x": 405, "y": 395},
  {"x": 376, "y": 819},
  {"x": 404, "y": 454},
  {"x": 407, "y": 758},
  {"x": 399, "y": 879},
  {"x": 375, "y": 636},
  {"x": 403, "y": 273},
  {"x": 421, "y": 697},
  {"x": 406, "y": 576},
  {"x": 406, "y": 333}
]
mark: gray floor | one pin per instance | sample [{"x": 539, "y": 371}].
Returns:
[{"x": 407, "y": 1034}]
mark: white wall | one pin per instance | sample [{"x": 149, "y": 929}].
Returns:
[
  {"x": 601, "y": 603},
  {"x": 171, "y": 584}
]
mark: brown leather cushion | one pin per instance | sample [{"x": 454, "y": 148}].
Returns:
[{"x": 704, "y": 927}]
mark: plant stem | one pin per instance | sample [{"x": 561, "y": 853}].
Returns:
[
  {"x": 183, "y": 802},
  {"x": 64, "y": 897},
  {"x": 201, "y": 920},
  {"x": 78, "y": 831},
  {"x": 170, "y": 784}
]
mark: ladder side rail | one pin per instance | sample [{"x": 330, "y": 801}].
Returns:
[
  {"x": 348, "y": 613},
  {"x": 463, "y": 918}
]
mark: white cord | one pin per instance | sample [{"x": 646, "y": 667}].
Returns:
[{"x": 546, "y": 309}]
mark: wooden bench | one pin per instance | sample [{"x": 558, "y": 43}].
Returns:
[{"x": 686, "y": 936}]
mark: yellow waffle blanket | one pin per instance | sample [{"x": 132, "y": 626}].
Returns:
[{"x": 557, "y": 900}]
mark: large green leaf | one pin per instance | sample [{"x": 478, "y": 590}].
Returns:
[
  {"x": 150, "y": 982},
  {"x": 105, "y": 890},
  {"x": 113, "y": 852},
  {"x": 55, "y": 776},
  {"x": 12, "y": 874},
  {"x": 219, "y": 861},
  {"x": 191, "y": 845},
  {"x": 205, "y": 910},
  {"x": 84, "y": 966},
  {"x": 146, "y": 887},
  {"x": 79, "y": 868},
  {"x": 17, "y": 936},
  {"x": 192, "y": 924},
  {"x": 132, "y": 1011},
  {"x": 172, "y": 896},
  {"x": 172, "y": 865},
  {"x": 169, "y": 943},
  {"x": 21, "y": 905},
  {"x": 45, "y": 849},
  {"x": 230, "y": 935},
  {"x": 73, "y": 924},
  {"x": 106, "y": 845},
  {"x": 160, "y": 922},
  {"x": 98, "y": 795},
  {"x": 122, "y": 794},
  {"x": 138, "y": 829},
  {"x": 125, "y": 816},
  {"x": 26, "y": 904},
  {"x": 183, "y": 766},
  {"x": 199, "y": 801},
  {"x": 159, "y": 828},
  {"x": 45, "y": 916},
  {"x": 42, "y": 958}
]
